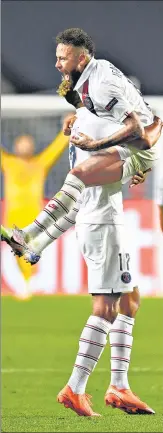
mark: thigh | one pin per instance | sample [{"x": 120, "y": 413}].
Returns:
[
  {"x": 105, "y": 252},
  {"x": 102, "y": 168}
]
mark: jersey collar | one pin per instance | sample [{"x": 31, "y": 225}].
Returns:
[{"x": 86, "y": 73}]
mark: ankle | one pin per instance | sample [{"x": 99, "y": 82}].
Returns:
[{"x": 120, "y": 380}]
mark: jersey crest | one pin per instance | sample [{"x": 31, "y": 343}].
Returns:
[{"x": 87, "y": 101}]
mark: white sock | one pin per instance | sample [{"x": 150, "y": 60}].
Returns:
[
  {"x": 121, "y": 340},
  {"x": 58, "y": 206},
  {"x": 91, "y": 345},
  {"x": 40, "y": 242}
]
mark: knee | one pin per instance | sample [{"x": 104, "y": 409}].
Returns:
[
  {"x": 76, "y": 171},
  {"x": 130, "y": 303},
  {"x": 81, "y": 173}
]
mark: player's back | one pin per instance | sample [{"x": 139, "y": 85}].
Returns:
[
  {"x": 130, "y": 91},
  {"x": 99, "y": 204},
  {"x": 111, "y": 92},
  {"x": 133, "y": 95}
]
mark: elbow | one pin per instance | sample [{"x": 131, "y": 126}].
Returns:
[
  {"x": 147, "y": 144},
  {"x": 146, "y": 141}
]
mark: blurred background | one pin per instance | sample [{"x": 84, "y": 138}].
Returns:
[{"x": 129, "y": 34}]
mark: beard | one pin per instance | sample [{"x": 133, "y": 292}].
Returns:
[
  {"x": 74, "y": 77},
  {"x": 68, "y": 83}
]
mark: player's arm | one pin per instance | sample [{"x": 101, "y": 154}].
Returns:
[
  {"x": 151, "y": 133},
  {"x": 112, "y": 98},
  {"x": 117, "y": 104},
  {"x": 68, "y": 123},
  {"x": 49, "y": 156},
  {"x": 150, "y": 136},
  {"x": 143, "y": 137},
  {"x": 132, "y": 127}
]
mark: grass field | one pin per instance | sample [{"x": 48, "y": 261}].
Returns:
[{"x": 39, "y": 345}]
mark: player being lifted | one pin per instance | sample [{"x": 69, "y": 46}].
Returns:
[{"x": 107, "y": 93}]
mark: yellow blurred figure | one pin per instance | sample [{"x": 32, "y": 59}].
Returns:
[{"x": 24, "y": 179}]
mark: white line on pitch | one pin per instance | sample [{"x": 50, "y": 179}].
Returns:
[{"x": 57, "y": 370}]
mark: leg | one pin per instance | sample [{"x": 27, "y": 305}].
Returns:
[
  {"x": 43, "y": 239},
  {"x": 98, "y": 244},
  {"x": 121, "y": 338},
  {"x": 91, "y": 345},
  {"x": 109, "y": 162},
  {"x": 119, "y": 394},
  {"x": 40, "y": 242},
  {"x": 65, "y": 200},
  {"x": 129, "y": 303},
  {"x": 94, "y": 335},
  {"x": 106, "y": 167},
  {"x": 56, "y": 208}
]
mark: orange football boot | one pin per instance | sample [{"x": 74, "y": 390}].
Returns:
[
  {"x": 80, "y": 403},
  {"x": 125, "y": 400}
]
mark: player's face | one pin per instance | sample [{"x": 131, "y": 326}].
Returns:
[
  {"x": 24, "y": 147},
  {"x": 69, "y": 59}
]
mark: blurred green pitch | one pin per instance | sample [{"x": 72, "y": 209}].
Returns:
[{"x": 39, "y": 346}]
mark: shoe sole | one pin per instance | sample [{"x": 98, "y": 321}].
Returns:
[
  {"x": 14, "y": 247},
  {"x": 18, "y": 249},
  {"x": 29, "y": 255},
  {"x": 64, "y": 399},
  {"x": 118, "y": 403}
]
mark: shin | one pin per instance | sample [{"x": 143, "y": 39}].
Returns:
[{"x": 121, "y": 338}]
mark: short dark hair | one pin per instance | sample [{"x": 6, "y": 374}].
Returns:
[{"x": 76, "y": 37}]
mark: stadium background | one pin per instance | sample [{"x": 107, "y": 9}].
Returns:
[{"x": 28, "y": 70}]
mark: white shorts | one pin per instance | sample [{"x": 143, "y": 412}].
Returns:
[
  {"x": 106, "y": 254},
  {"x": 134, "y": 162}
]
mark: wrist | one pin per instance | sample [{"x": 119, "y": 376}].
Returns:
[{"x": 101, "y": 141}]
